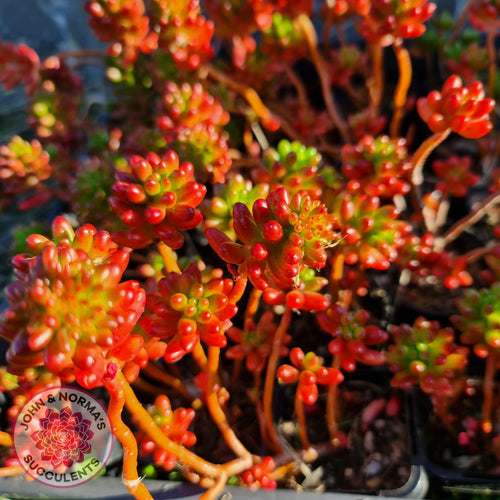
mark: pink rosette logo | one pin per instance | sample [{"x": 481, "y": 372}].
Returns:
[{"x": 62, "y": 437}]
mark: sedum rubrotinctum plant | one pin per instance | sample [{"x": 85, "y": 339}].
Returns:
[{"x": 224, "y": 236}]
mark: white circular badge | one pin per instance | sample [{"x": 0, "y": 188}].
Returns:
[{"x": 63, "y": 437}]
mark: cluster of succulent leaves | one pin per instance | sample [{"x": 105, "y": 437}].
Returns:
[{"x": 206, "y": 217}]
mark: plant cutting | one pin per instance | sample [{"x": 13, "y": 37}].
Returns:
[{"x": 227, "y": 247}]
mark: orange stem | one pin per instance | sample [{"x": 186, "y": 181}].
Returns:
[
  {"x": 248, "y": 93},
  {"x": 185, "y": 456},
  {"x": 309, "y": 31},
  {"x": 336, "y": 275},
  {"x": 301, "y": 421},
  {"x": 376, "y": 82},
  {"x": 156, "y": 373},
  {"x": 401, "y": 92},
  {"x": 199, "y": 356},
  {"x": 477, "y": 214},
  {"x": 488, "y": 384},
  {"x": 215, "y": 409},
  {"x": 5, "y": 439},
  {"x": 150, "y": 427},
  {"x": 126, "y": 437},
  {"x": 169, "y": 258},
  {"x": 423, "y": 152},
  {"x": 331, "y": 406},
  {"x": 270, "y": 377},
  {"x": 253, "y": 303},
  {"x": 12, "y": 470},
  {"x": 418, "y": 161}
]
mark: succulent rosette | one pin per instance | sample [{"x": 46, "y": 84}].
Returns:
[
  {"x": 23, "y": 166},
  {"x": 157, "y": 198},
  {"x": 188, "y": 307},
  {"x": 425, "y": 354},
  {"x": 218, "y": 210},
  {"x": 53, "y": 110},
  {"x": 376, "y": 166},
  {"x": 123, "y": 23},
  {"x": 174, "y": 425},
  {"x": 309, "y": 371},
  {"x": 19, "y": 64},
  {"x": 294, "y": 166},
  {"x": 253, "y": 343},
  {"x": 455, "y": 175},
  {"x": 419, "y": 256},
  {"x": 479, "y": 319},
  {"x": 68, "y": 310},
  {"x": 352, "y": 336},
  {"x": 280, "y": 236},
  {"x": 461, "y": 109},
  {"x": 484, "y": 15},
  {"x": 387, "y": 20},
  {"x": 260, "y": 475},
  {"x": 365, "y": 123},
  {"x": 183, "y": 32},
  {"x": 283, "y": 41},
  {"x": 370, "y": 233},
  {"x": 468, "y": 62},
  {"x": 192, "y": 121}
]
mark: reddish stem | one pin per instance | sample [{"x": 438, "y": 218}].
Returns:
[
  {"x": 11, "y": 470},
  {"x": 488, "y": 384},
  {"x": 270, "y": 377},
  {"x": 401, "y": 92},
  {"x": 376, "y": 82},
  {"x": 126, "y": 437},
  {"x": 418, "y": 161},
  {"x": 217, "y": 413},
  {"x": 248, "y": 93},
  {"x": 312, "y": 42},
  {"x": 153, "y": 371},
  {"x": 301, "y": 421},
  {"x": 332, "y": 406},
  {"x": 5, "y": 439},
  {"x": 477, "y": 214}
]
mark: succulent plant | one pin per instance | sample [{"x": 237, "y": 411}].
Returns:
[
  {"x": 462, "y": 109},
  {"x": 425, "y": 354},
  {"x": 157, "y": 198},
  {"x": 80, "y": 317},
  {"x": 187, "y": 309}
]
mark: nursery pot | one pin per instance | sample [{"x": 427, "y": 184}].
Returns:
[{"x": 460, "y": 474}]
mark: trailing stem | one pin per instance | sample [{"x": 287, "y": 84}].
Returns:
[
  {"x": 477, "y": 214},
  {"x": 332, "y": 406},
  {"x": 418, "y": 161},
  {"x": 488, "y": 385},
  {"x": 126, "y": 437},
  {"x": 376, "y": 82},
  {"x": 206, "y": 469},
  {"x": 215, "y": 409},
  {"x": 401, "y": 92},
  {"x": 312, "y": 43},
  {"x": 5, "y": 439},
  {"x": 301, "y": 421},
  {"x": 272, "y": 364},
  {"x": 156, "y": 373},
  {"x": 11, "y": 470},
  {"x": 250, "y": 95}
]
